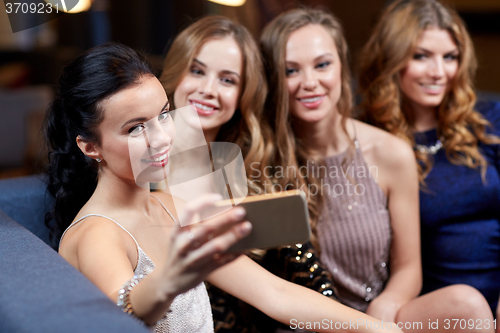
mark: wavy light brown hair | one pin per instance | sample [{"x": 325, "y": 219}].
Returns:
[
  {"x": 390, "y": 47},
  {"x": 243, "y": 128},
  {"x": 291, "y": 152}
]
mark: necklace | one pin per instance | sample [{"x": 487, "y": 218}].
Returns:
[{"x": 432, "y": 150}]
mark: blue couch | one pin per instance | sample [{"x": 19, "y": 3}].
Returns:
[{"x": 39, "y": 290}]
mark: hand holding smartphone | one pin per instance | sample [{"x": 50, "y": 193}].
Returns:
[{"x": 277, "y": 220}]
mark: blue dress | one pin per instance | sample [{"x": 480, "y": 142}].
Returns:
[{"x": 460, "y": 219}]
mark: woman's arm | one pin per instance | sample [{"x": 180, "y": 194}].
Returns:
[
  {"x": 399, "y": 168},
  {"x": 103, "y": 253},
  {"x": 289, "y": 303},
  {"x": 104, "y": 257}
]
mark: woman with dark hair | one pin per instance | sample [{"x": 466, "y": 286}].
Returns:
[
  {"x": 127, "y": 241},
  {"x": 104, "y": 97},
  {"x": 416, "y": 74},
  {"x": 366, "y": 211}
]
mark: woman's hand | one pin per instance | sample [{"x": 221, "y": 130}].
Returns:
[
  {"x": 197, "y": 250},
  {"x": 193, "y": 253}
]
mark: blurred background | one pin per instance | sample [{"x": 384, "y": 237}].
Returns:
[{"x": 31, "y": 60}]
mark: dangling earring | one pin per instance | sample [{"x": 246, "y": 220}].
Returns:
[{"x": 98, "y": 160}]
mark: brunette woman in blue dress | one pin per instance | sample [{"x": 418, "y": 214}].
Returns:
[{"x": 416, "y": 75}]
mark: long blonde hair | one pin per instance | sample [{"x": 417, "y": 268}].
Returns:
[
  {"x": 387, "y": 52},
  {"x": 243, "y": 128},
  {"x": 291, "y": 152}
]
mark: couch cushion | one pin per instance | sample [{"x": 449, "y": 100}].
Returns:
[
  {"x": 26, "y": 201},
  {"x": 41, "y": 292}
]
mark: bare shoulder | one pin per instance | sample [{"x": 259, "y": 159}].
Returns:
[
  {"x": 95, "y": 235},
  {"x": 384, "y": 148}
]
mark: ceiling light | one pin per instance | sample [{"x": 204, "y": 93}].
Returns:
[{"x": 232, "y": 3}]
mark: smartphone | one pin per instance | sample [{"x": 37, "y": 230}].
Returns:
[{"x": 277, "y": 220}]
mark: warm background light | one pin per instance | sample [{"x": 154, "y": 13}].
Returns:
[
  {"x": 82, "y": 6},
  {"x": 233, "y": 3}
]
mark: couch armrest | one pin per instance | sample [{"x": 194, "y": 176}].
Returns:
[
  {"x": 26, "y": 201},
  {"x": 41, "y": 292}
]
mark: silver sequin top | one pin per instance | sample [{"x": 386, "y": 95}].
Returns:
[
  {"x": 354, "y": 230},
  {"x": 190, "y": 312}
]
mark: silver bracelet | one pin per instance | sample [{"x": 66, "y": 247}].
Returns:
[{"x": 123, "y": 300}]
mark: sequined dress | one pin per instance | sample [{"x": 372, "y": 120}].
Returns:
[
  {"x": 190, "y": 312},
  {"x": 354, "y": 230}
]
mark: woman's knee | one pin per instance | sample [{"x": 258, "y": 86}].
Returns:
[{"x": 467, "y": 302}]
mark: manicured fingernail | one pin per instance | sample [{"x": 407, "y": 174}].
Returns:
[
  {"x": 246, "y": 227},
  {"x": 239, "y": 211}
]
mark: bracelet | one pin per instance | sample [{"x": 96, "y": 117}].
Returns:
[{"x": 123, "y": 300}]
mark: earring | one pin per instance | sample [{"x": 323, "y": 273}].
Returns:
[{"x": 98, "y": 160}]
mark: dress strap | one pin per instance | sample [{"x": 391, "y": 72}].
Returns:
[
  {"x": 161, "y": 203},
  {"x": 118, "y": 224},
  {"x": 98, "y": 215}
]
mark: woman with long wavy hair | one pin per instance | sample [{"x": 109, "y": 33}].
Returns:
[
  {"x": 199, "y": 70},
  {"x": 190, "y": 81},
  {"x": 366, "y": 218},
  {"x": 416, "y": 74}
]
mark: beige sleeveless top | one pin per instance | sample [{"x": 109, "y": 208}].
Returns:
[
  {"x": 189, "y": 312},
  {"x": 354, "y": 230}
]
